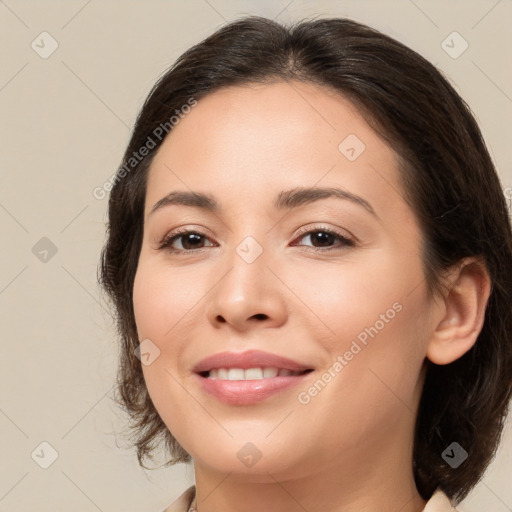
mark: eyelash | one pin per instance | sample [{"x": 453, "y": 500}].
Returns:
[{"x": 167, "y": 242}]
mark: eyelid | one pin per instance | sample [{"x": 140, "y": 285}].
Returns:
[
  {"x": 322, "y": 227},
  {"x": 167, "y": 239},
  {"x": 348, "y": 239}
]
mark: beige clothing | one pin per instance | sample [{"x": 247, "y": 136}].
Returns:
[{"x": 186, "y": 503}]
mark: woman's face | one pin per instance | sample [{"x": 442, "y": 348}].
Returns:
[{"x": 284, "y": 276}]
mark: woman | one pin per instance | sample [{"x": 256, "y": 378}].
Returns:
[{"x": 310, "y": 257}]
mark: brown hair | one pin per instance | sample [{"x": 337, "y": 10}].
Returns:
[{"x": 448, "y": 179}]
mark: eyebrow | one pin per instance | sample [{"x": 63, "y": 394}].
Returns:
[{"x": 292, "y": 198}]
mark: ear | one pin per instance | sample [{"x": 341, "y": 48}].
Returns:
[{"x": 465, "y": 301}]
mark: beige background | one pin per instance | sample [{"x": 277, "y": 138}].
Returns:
[{"x": 65, "y": 122}]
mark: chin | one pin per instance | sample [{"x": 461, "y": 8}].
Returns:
[{"x": 256, "y": 459}]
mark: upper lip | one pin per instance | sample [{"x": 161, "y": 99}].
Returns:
[{"x": 248, "y": 359}]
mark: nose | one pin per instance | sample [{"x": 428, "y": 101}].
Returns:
[{"x": 247, "y": 296}]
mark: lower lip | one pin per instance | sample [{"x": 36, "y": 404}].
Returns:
[{"x": 245, "y": 392}]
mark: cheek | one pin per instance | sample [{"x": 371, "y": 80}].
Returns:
[
  {"x": 162, "y": 299},
  {"x": 345, "y": 298},
  {"x": 374, "y": 316},
  {"x": 162, "y": 305}
]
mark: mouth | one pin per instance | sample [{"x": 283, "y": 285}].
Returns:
[
  {"x": 257, "y": 373},
  {"x": 248, "y": 377}
]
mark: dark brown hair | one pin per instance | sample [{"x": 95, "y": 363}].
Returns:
[{"x": 448, "y": 180}]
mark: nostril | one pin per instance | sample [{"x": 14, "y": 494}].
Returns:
[{"x": 260, "y": 316}]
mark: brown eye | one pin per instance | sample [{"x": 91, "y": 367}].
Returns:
[
  {"x": 184, "y": 241},
  {"x": 324, "y": 238}
]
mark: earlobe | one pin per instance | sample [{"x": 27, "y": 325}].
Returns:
[{"x": 465, "y": 303}]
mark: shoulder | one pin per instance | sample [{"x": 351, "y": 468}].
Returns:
[
  {"x": 183, "y": 502},
  {"x": 439, "y": 502}
]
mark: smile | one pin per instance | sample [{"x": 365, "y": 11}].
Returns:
[
  {"x": 243, "y": 378},
  {"x": 268, "y": 372}
]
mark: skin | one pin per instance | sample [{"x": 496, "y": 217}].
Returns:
[{"x": 350, "y": 447}]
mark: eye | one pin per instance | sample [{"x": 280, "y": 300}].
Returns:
[
  {"x": 324, "y": 238},
  {"x": 189, "y": 240}
]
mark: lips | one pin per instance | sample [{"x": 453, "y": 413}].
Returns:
[{"x": 242, "y": 378}]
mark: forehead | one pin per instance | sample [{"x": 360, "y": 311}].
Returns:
[{"x": 241, "y": 143}]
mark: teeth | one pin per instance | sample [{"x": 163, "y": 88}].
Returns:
[
  {"x": 236, "y": 374},
  {"x": 253, "y": 374},
  {"x": 270, "y": 372},
  {"x": 250, "y": 373}
]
